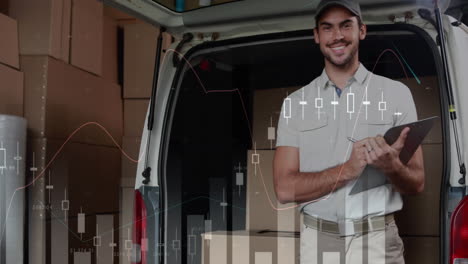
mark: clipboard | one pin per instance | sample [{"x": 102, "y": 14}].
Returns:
[{"x": 371, "y": 177}]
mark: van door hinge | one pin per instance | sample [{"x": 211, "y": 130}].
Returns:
[
  {"x": 401, "y": 19},
  {"x": 462, "y": 180},
  {"x": 186, "y": 38},
  {"x": 213, "y": 37},
  {"x": 460, "y": 25}
]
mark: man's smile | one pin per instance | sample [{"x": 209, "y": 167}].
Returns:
[{"x": 338, "y": 49}]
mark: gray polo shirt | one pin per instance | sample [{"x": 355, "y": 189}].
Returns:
[{"x": 318, "y": 121}]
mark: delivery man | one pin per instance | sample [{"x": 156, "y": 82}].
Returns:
[{"x": 317, "y": 160}]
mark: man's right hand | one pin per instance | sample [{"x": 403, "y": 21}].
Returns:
[
  {"x": 292, "y": 185},
  {"x": 357, "y": 162}
]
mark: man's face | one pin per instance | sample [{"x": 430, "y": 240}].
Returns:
[{"x": 338, "y": 34}]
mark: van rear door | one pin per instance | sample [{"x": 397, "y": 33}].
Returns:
[
  {"x": 236, "y": 16},
  {"x": 457, "y": 41}
]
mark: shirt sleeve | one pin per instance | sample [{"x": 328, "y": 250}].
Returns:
[
  {"x": 406, "y": 106},
  {"x": 287, "y": 134}
]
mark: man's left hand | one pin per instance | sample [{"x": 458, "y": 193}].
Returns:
[{"x": 383, "y": 156}]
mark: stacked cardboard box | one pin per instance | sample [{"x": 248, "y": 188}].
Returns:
[
  {"x": 11, "y": 87},
  {"x": 83, "y": 113},
  {"x": 87, "y": 35},
  {"x": 60, "y": 98},
  {"x": 74, "y": 110},
  {"x": 78, "y": 172},
  {"x": 83, "y": 179},
  {"x": 11, "y": 91},
  {"x": 9, "y": 43},
  {"x": 73, "y": 31},
  {"x": 44, "y": 27},
  {"x": 264, "y": 212}
]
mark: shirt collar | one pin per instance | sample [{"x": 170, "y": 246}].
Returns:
[{"x": 360, "y": 77}]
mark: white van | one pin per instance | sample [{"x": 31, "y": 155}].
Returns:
[{"x": 203, "y": 192}]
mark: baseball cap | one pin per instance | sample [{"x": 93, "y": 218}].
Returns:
[{"x": 351, "y": 5}]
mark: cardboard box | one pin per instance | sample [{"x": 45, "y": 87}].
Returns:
[
  {"x": 60, "y": 98},
  {"x": 420, "y": 214},
  {"x": 139, "y": 52},
  {"x": 110, "y": 51},
  {"x": 239, "y": 247},
  {"x": 421, "y": 250},
  {"x": 43, "y": 27},
  {"x": 9, "y": 53},
  {"x": 11, "y": 91},
  {"x": 262, "y": 204},
  {"x": 426, "y": 97},
  {"x": 131, "y": 147},
  {"x": 135, "y": 111},
  {"x": 140, "y": 43},
  {"x": 87, "y": 35},
  {"x": 267, "y": 108},
  {"x": 89, "y": 174}
]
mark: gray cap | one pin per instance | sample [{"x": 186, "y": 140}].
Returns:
[{"x": 351, "y": 5}]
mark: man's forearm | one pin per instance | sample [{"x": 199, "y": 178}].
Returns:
[
  {"x": 407, "y": 179},
  {"x": 308, "y": 186}
]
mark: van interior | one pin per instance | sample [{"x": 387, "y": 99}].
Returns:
[{"x": 221, "y": 204}]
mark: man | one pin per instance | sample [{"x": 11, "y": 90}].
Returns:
[{"x": 316, "y": 163}]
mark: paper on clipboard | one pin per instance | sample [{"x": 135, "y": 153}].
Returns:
[{"x": 371, "y": 177}]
